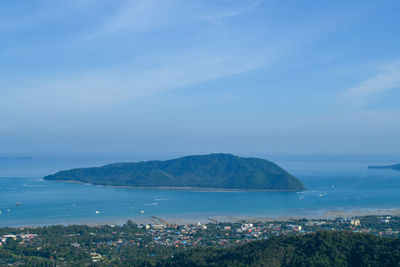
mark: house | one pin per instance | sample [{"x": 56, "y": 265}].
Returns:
[
  {"x": 28, "y": 236},
  {"x": 9, "y": 236},
  {"x": 96, "y": 256}
]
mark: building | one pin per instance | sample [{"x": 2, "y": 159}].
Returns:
[{"x": 96, "y": 257}]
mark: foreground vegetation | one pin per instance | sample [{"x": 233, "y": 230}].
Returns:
[
  {"x": 363, "y": 241},
  {"x": 317, "y": 249}
]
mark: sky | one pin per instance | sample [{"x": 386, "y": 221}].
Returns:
[{"x": 148, "y": 79}]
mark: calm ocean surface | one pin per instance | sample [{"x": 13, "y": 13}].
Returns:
[{"x": 332, "y": 185}]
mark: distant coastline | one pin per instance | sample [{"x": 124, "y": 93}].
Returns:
[
  {"x": 188, "y": 220},
  {"x": 16, "y": 158},
  {"x": 392, "y": 167}
]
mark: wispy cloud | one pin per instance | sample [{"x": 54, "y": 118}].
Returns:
[
  {"x": 98, "y": 88},
  {"x": 141, "y": 15},
  {"x": 387, "y": 78},
  {"x": 96, "y": 91},
  {"x": 166, "y": 67}
]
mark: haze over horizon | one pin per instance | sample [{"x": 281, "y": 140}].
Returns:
[{"x": 174, "y": 77}]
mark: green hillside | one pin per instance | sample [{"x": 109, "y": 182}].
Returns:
[
  {"x": 206, "y": 171},
  {"x": 318, "y": 249}
]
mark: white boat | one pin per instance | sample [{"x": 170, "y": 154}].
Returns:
[
  {"x": 97, "y": 212},
  {"x": 142, "y": 211},
  {"x": 151, "y": 204}
]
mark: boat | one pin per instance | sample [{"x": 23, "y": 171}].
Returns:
[
  {"x": 151, "y": 204},
  {"x": 18, "y": 204},
  {"x": 97, "y": 212},
  {"x": 142, "y": 211}
]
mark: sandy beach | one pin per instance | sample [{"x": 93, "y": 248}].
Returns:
[
  {"x": 330, "y": 214},
  {"x": 174, "y": 188}
]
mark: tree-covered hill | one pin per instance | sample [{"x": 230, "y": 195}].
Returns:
[
  {"x": 205, "y": 171},
  {"x": 317, "y": 249}
]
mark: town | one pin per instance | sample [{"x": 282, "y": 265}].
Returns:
[{"x": 113, "y": 243}]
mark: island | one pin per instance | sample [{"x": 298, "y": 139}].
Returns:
[
  {"x": 213, "y": 171},
  {"x": 393, "y": 167}
]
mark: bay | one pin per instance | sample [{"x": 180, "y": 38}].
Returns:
[{"x": 333, "y": 185}]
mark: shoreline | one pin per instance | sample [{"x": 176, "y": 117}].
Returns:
[
  {"x": 211, "y": 189},
  {"x": 326, "y": 215}
]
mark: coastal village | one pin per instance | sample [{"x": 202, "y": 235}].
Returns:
[{"x": 101, "y": 242}]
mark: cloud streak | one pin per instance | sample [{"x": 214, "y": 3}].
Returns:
[
  {"x": 387, "y": 78},
  {"x": 96, "y": 89},
  {"x": 92, "y": 92},
  {"x": 143, "y": 15}
]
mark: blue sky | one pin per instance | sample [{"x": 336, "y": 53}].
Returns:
[{"x": 159, "y": 78}]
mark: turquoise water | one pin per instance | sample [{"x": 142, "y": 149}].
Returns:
[{"x": 331, "y": 185}]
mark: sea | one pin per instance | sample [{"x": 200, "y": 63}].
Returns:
[{"x": 336, "y": 187}]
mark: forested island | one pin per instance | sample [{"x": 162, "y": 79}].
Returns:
[
  {"x": 393, "y": 167},
  {"x": 204, "y": 171}
]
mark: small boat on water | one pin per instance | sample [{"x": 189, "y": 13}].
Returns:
[
  {"x": 18, "y": 204},
  {"x": 151, "y": 204},
  {"x": 142, "y": 211}
]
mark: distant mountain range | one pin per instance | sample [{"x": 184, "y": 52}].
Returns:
[
  {"x": 204, "y": 171},
  {"x": 16, "y": 158},
  {"x": 393, "y": 167}
]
